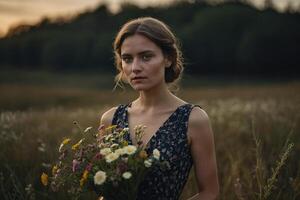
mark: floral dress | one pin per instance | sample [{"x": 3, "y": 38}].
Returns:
[{"x": 171, "y": 140}]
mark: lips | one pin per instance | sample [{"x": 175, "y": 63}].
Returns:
[{"x": 138, "y": 78}]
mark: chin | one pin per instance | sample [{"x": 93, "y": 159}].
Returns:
[
  {"x": 140, "y": 87},
  {"x": 143, "y": 87}
]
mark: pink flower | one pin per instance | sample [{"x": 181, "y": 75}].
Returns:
[
  {"x": 88, "y": 167},
  {"x": 122, "y": 167},
  {"x": 98, "y": 156},
  {"x": 75, "y": 165},
  {"x": 101, "y": 127}
]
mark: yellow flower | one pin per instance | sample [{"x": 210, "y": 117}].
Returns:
[
  {"x": 84, "y": 177},
  {"x": 143, "y": 154},
  {"x": 111, "y": 127},
  {"x": 54, "y": 169},
  {"x": 44, "y": 179},
  {"x": 75, "y": 146},
  {"x": 64, "y": 142},
  {"x": 85, "y": 174},
  {"x": 124, "y": 143},
  {"x": 82, "y": 181}
]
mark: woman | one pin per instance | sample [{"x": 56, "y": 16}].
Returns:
[{"x": 148, "y": 58}]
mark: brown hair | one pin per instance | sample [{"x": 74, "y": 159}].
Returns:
[{"x": 161, "y": 35}]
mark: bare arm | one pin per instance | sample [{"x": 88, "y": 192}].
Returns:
[
  {"x": 203, "y": 153},
  {"x": 107, "y": 117}
]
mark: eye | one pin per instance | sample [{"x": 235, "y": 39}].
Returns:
[
  {"x": 146, "y": 57},
  {"x": 127, "y": 59}
]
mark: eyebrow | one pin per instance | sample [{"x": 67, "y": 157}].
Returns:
[{"x": 140, "y": 53}]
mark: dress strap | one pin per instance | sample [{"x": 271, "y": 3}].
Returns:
[
  {"x": 185, "y": 114},
  {"x": 196, "y": 105},
  {"x": 190, "y": 110}
]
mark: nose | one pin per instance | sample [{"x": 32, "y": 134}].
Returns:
[{"x": 136, "y": 66}]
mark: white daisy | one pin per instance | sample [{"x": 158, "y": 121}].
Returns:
[
  {"x": 147, "y": 163},
  {"x": 120, "y": 151},
  {"x": 126, "y": 175},
  {"x": 111, "y": 157},
  {"x": 105, "y": 151},
  {"x": 156, "y": 154},
  {"x": 99, "y": 177},
  {"x": 130, "y": 149}
]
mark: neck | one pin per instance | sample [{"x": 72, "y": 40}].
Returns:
[{"x": 158, "y": 97}]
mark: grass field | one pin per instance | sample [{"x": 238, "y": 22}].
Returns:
[{"x": 256, "y": 127}]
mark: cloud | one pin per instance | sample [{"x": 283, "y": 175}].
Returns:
[
  {"x": 12, "y": 11},
  {"x": 19, "y": 11}
]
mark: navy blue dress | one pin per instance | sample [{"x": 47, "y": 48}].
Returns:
[{"x": 171, "y": 140}]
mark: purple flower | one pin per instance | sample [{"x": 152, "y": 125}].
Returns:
[
  {"x": 75, "y": 165},
  {"x": 122, "y": 167},
  {"x": 88, "y": 167}
]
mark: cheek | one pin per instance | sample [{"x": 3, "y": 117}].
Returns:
[{"x": 158, "y": 68}]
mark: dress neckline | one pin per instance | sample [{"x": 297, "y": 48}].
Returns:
[{"x": 157, "y": 131}]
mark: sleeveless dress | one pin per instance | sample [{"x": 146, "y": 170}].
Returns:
[{"x": 171, "y": 140}]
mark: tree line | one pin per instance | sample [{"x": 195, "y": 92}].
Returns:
[{"x": 229, "y": 38}]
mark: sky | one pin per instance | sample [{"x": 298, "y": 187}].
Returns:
[{"x": 14, "y": 12}]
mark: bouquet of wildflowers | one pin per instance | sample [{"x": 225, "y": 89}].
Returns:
[{"x": 103, "y": 162}]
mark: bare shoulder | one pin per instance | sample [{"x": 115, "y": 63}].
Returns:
[
  {"x": 199, "y": 128},
  {"x": 107, "y": 117},
  {"x": 198, "y": 116}
]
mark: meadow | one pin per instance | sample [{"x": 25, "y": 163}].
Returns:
[{"x": 256, "y": 128}]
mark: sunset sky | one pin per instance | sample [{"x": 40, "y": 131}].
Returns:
[{"x": 13, "y": 12}]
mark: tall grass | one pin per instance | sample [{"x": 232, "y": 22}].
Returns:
[{"x": 256, "y": 135}]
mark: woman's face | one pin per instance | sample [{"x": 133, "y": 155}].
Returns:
[{"x": 143, "y": 62}]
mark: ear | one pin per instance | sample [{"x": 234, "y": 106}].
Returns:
[{"x": 168, "y": 63}]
